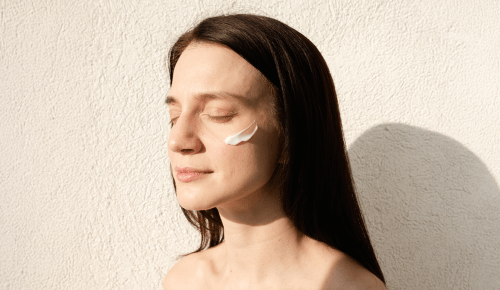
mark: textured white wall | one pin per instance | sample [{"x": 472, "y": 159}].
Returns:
[{"x": 86, "y": 201}]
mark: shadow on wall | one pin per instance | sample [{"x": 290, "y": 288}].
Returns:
[{"x": 432, "y": 209}]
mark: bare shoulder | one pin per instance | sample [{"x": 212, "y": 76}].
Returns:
[
  {"x": 191, "y": 272},
  {"x": 182, "y": 276},
  {"x": 349, "y": 274}
]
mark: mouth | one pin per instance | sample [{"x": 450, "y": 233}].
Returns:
[{"x": 188, "y": 174}]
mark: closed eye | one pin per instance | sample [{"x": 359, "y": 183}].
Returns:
[
  {"x": 216, "y": 119},
  {"x": 221, "y": 119}
]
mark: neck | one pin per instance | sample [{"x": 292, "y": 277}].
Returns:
[{"x": 259, "y": 240}]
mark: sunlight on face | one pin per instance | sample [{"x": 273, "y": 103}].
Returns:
[{"x": 216, "y": 93}]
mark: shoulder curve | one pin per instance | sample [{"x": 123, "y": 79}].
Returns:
[
  {"x": 371, "y": 283},
  {"x": 350, "y": 274},
  {"x": 359, "y": 281},
  {"x": 366, "y": 280},
  {"x": 185, "y": 274}
]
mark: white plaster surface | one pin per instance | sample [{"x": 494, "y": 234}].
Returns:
[{"x": 86, "y": 199}]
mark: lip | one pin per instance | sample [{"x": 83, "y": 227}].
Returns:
[{"x": 188, "y": 174}]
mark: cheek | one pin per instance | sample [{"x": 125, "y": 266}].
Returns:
[
  {"x": 236, "y": 162},
  {"x": 219, "y": 152},
  {"x": 255, "y": 158},
  {"x": 224, "y": 151},
  {"x": 235, "y": 156}
]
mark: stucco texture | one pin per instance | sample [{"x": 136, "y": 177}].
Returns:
[{"x": 86, "y": 197}]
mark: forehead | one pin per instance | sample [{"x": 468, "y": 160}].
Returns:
[{"x": 207, "y": 67}]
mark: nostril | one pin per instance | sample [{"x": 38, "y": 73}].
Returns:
[{"x": 187, "y": 151}]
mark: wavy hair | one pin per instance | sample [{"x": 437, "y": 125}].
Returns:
[{"x": 315, "y": 181}]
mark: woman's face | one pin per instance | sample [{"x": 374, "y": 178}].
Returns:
[{"x": 215, "y": 93}]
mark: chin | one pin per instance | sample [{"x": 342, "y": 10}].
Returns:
[
  {"x": 193, "y": 201},
  {"x": 193, "y": 207}
]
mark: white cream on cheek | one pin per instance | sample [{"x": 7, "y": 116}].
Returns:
[{"x": 242, "y": 136}]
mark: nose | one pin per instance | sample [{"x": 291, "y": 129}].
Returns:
[{"x": 183, "y": 137}]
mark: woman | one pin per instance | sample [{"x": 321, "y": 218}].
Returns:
[{"x": 259, "y": 163}]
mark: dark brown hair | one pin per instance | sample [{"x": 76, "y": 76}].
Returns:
[{"x": 316, "y": 184}]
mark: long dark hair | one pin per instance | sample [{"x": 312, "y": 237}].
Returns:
[{"x": 316, "y": 184}]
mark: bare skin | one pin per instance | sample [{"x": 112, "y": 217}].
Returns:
[
  {"x": 262, "y": 249},
  {"x": 274, "y": 263}
]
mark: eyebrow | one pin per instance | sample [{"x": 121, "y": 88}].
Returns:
[{"x": 208, "y": 96}]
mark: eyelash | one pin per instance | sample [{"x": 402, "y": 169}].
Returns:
[
  {"x": 216, "y": 119},
  {"x": 221, "y": 119}
]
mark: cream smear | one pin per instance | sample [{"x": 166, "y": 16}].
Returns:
[{"x": 242, "y": 136}]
